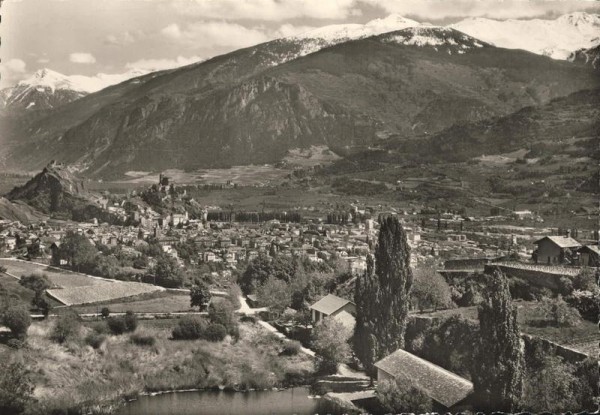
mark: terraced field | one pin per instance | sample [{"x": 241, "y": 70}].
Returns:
[{"x": 72, "y": 288}]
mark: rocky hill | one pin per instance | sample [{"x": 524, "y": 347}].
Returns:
[
  {"x": 589, "y": 56},
  {"x": 54, "y": 190}
]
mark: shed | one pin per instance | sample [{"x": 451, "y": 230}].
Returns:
[{"x": 555, "y": 249}]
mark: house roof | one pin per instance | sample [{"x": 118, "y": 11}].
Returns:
[
  {"x": 438, "y": 383},
  {"x": 329, "y": 304},
  {"x": 594, "y": 248},
  {"x": 561, "y": 241}
]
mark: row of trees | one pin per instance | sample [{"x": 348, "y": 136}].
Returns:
[{"x": 382, "y": 297}]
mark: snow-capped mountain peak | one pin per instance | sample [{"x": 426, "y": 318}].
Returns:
[
  {"x": 556, "y": 38},
  {"x": 47, "y": 78},
  {"x": 343, "y": 32}
]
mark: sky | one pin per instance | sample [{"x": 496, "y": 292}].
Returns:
[{"x": 87, "y": 37}]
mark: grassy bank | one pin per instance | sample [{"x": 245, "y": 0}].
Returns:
[{"x": 74, "y": 375}]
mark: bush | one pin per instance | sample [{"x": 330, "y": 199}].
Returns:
[
  {"x": 16, "y": 344},
  {"x": 123, "y": 324},
  {"x": 95, "y": 340},
  {"x": 189, "y": 328},
  {"x": 215, "y": 332},
  {"x": 399, "y": 397},
  {"x": 105, "y": 312},
  {"x": 221, "y": 312},
  {"x": 141, "y": 340},
  {"x": 116, "y": 325},
  {"x": 16, "y": 388},
  {"x": 67, "y": 327},
  {"x": 131, "y": 321},
  {"x": 556, "y": 312},
  {"x": 587, "y": 303},
  {"x": 18, "y": 320},
  {"x": 291, "y": 348}
]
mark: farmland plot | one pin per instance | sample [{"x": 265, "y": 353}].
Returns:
[{"x": 72, "y": 288}]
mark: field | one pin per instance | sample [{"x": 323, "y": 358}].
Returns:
[
  {"x": 71, "y": 288},
  {"x": 154, "y": 302},
  {"x": 584, "y": 337}
]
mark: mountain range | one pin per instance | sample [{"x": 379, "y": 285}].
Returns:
[{"x": 344, "y": 86}]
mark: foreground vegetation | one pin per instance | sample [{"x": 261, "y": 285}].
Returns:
[{"x": 92, "y": 369}]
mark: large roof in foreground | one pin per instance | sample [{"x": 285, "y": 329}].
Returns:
[{"x": 438, "y": 383}]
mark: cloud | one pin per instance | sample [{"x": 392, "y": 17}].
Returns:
[
  {"x": 505, "y": 9},
  {"x": 172, "y": 31},
  {"x": 268, "y": 10},
  {"x": 125, "y": 38},
  {"x": 82, "y": 57},
  {"x": 15, "y": 66},
  {"x": 43, "y": 60},
  {"x": 216, "y": 34},
  {"x": 161, "y": 64}
]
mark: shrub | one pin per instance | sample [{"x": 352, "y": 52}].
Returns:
[
  {"x": 215, "y": 332},
  {"x": 189, "y": 328},
  {"x": 556, "y": 312},
  {"x": 291, "y": 348},
  {"x": 141, "y": 340},
  {"x": 95, "y": 340},
  {"x": 221, "y": 312},
  {"x": 18, "y": 320},
  {"x": 399, "y": 397},
  {"x": 67, "y": 327},
  {"x": 131, "y": 321},
  {"x": 585, "y": 280},
  {"x": 122, "y": 324},
  {"x": 16, "y": 388},
  {"x": 16, "y": 344},
  {"x": 116, "y": 325},
  {"x": 587, "y": 303},
  {"x": 105, "y": 312},
  {"x": 248, "y": 319}
]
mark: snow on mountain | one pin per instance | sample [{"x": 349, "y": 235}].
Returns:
[
  {"x": 343, "y": 32},
  {"x": 49, "y": 89},
  {"x": 554, "y": 38},
  {"x": 437, "y": 37}
]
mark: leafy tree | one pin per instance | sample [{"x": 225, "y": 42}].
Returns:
[
  {"x": 16, "y": 388},
  {"x": 67, "y": 326},
  {"x": 38, "y": 284},
  {"x": 552, "y": 387},
  {"x": 274, "y": 294},
  {"x": 556, "y": 312},
  {"x": 105, "y": 312},
  {"x": 168, "y": 272},
  {"x": 586, "y": 280},
  {"x": 382, "y": 296},
  {"x": 262, "y": 267},
  {"x": 199, "y": 295},
  {"x": 17, "y": 319},
  {"x": 401, "y": 397},
  {"x": 330, "y": 343},
  {"x": 498, "y": 375},
  {"x": 77, "y": 250},
  {"x": 221, "y": 311},
  {"x": 430, "y": 290}
]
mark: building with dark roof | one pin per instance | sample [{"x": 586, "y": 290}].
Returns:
[
  {"x": 331, "y": 305},
  {"x": 555, "y": 249},
  {"x": 446, "y": 389}
]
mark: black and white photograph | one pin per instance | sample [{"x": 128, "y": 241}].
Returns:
[{"x": 299, "y": 207}]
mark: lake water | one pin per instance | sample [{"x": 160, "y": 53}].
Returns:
[{"x": 295, "y": 401}]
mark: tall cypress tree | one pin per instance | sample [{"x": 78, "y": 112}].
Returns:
[
  {"x": 382, "y": 296},
  {"x": 498, "y": 375}
]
